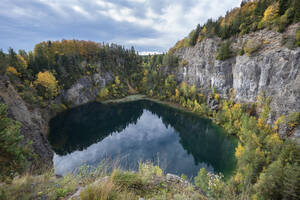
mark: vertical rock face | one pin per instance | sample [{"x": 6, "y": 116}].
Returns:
[
  {"x": 86, "y": 89},
  {"x": 275, "y": 72},
  {"x": 33, "y": 126},
  {"x": 273, "y": 69}
]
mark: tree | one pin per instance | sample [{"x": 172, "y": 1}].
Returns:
[
  {"x": 49, "y": 85},
  {"x": 194, "y": 36},
  {"x": 202, "y": 180},
  {"x": 270, "y": 14},
  {"x": 12, "y": 153},
  {"x": 296, "y": 6},
  {"x": 283, "y": 6},
  {"x": 183, "y": 88},
  {"x": 291, "y": 186},
  {"x": 103, "y": 94},
  {"x": 192, "y": 91},
  {"x": 224, "y": 52},
  {"x": 269, "y": 184}
]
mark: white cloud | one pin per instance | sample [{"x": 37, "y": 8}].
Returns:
[
  {"x": 145, "y": 53},
  {"x": 137, "y": 1},
  {"x": 142, "y": 23},
  {"x": 81, "y": 11}
]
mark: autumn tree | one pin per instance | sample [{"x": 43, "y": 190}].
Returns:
[
  {"x": 270, "y": 14},
  {"x": 47, "y": 84}
]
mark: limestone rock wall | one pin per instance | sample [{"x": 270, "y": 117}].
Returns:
[{"x": 273, "y": 69}]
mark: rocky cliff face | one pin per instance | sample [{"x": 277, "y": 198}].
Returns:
[
  {"x": 33, "y": 125},
  {"x": 273, "y": 69},
  {"x": 85, "y": 89}
]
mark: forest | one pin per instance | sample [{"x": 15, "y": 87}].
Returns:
[{"x": 251, "y": 16}]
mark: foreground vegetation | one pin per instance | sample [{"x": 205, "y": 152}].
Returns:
[{"x": 97, "y": 183}]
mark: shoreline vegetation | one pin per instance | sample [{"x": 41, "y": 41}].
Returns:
[{"x": 138, "y": 97}]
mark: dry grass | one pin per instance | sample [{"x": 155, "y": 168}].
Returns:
[{"x": 148, "y": 183}]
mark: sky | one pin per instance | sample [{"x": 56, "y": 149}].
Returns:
[{"x": 148, "y": 25}]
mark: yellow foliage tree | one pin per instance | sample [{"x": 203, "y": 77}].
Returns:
[
  {"x": 23, "y": 61},
  {"x": 48, "y": 81},
  {"x": 239, "y": 151},
  {"x": 12, "y": 70},
  {"x": 183, "y": 88},
  {"x": 117, "y": 80},
  {"x": 270, "y": 14},
  {"x": 103, "y": 93},
  {"x": 151, "y": 93},
  {"x": 177, "y": 94},
  {"x": 217, "y": 96}
]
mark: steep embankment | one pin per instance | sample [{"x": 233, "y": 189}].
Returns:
[
  {"x": 34, "y": 127},
  {"x": 273, "y": 69}
]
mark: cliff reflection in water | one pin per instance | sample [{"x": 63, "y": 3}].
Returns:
[{"x": 139, "y": 131}]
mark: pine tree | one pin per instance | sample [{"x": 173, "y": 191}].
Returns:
[
  {"x": 291, "y": 186},
  {"x": 12, "y": 154},
  {"x": 194, "y": 36}
]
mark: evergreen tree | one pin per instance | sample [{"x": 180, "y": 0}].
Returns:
[
  {"x": 194, "y": 36},
  {"x": 12, "y": 153}
]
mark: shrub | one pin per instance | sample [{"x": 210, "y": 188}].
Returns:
[
  {"x": 12, "y": 154},
  {"x": 252, "y": 46},
  {"x": 209, "y": 183},
  {"x": 149, "y": 170},
  {"x": 103, "y": 94},
  {"x": 270, "y": 14},
  {"x": 202, "y": 179},
  {"x": 224, "y": 52},
  {"x": 12, "y": 70},
  {"x": 128, "y": 180},
  {"x": 298, "y": 38},
  {"x": 289, "y": 41},
  {"x": 293, "y": 119},
  {"x": 183, "y": 63},
  {"x": 58, "y": 107},
  {"x": 285, "y": 19}
]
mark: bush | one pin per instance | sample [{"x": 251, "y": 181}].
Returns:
[
  {"x": 128, "y": 180},
  {"x": 289, "y": 42},
  {"x": 252, "y": 46},
  {"x": 285, "y": 19},
  {"x": 224, "y": 52},
  {"x": 103, "y": 94},
  {"x": 58, "y": 107},
  {"x": 270, "y": 16},
  {"x": 298, "y": 38},
  {"x": 12, "y": 154},
  {"x": 202, "y": 179},
  {"x": 183, "y": 63}
]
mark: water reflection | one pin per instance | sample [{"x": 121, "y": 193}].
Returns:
[{"x": 139, "y": 131}]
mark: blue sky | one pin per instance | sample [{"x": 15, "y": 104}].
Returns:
[{"x": 148, "y": 25}]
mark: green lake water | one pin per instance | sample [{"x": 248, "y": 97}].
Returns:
[{"x": 179, "y": 142}]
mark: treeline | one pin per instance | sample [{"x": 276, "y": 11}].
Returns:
[
  {"x": 251, "y": 16},
  {"x": 39, "y": 75}
]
